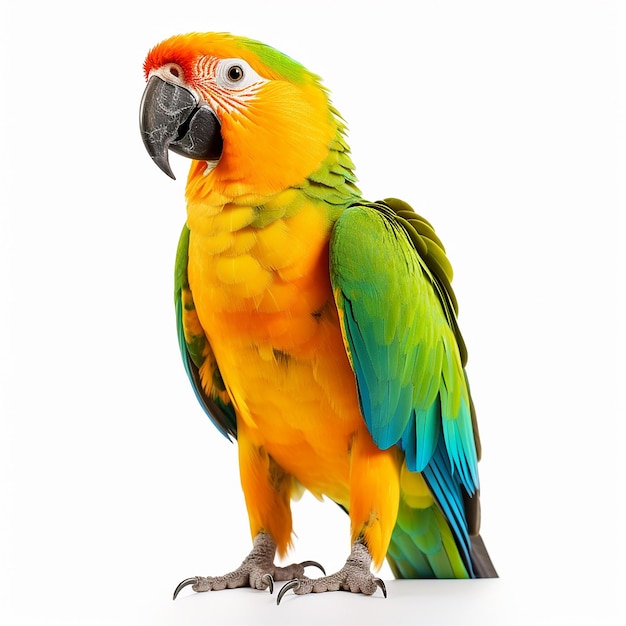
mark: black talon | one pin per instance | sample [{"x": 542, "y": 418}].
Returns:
[
  {"x": 183, "y": 584},
  {"x": 381, "y": 584},
  {"x": 313, "y": 564},
  {"x": 292, "y": 584},
  {"x": 270, "y": 582}
]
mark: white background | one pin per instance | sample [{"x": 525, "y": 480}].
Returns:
[{"x": 496, "y": 120}]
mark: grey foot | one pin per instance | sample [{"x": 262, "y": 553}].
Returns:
[
  {"x": 354, "y": 576},
  {"x": 257, "y": 571}
]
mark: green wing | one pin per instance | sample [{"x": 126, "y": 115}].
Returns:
[
  {"x": 196, "y": 350},
  {"x": 391, "y": 281}
]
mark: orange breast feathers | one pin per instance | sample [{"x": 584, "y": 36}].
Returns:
[{"x": 264, "y": 298}]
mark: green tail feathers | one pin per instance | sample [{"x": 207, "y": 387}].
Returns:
[{"x": 422, "y": 546}]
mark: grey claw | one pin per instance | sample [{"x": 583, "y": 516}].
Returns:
[
  {"x": 313, "y": 564},
  {"x": 292, "y": 584},
  {"x": 381, "y": 584},
  {"x": 183, "y": 584},
  {"x": 270, "y": 582}
]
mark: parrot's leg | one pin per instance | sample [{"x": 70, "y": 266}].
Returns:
[
  {"x": 354, "y": 576},
  {"x": 257, "y": 571},
  {"x": 267, "y": 490},
  {"x": 374, "y": 497}
]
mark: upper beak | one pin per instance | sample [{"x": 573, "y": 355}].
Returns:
[{"x": 171, "y": 117}]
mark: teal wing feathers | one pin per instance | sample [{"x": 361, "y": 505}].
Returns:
[
  {"x": 391, "y": 281},
  {"x": 196, "y": 351}
]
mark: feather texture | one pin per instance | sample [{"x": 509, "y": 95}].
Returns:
[
  {"x": 196, "y": 351},
  {"x": 318, "y": 329},
  {"x": 398, "y": 327}
]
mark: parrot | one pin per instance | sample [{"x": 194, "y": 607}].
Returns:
[{"x": 318, "y": 329}]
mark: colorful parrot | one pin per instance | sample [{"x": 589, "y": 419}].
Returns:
[{"x": 317, "y": 329}]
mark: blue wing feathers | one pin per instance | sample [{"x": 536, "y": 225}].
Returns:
[
  {"x": 392, "y": 361},
  {"x": 408, "y": 443},
  {"x": 400, "y": 329},
  {"x": 459, "y": 440},
  {"x": 380, "y": 401},
  {"x": 447, "y": 491},
  {"x": 428, "y": 429}
]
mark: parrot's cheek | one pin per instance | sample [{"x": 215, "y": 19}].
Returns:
[{"x": 172, "y": 118}]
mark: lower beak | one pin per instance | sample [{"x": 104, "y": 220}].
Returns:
[{"x": 172, "y": 118}]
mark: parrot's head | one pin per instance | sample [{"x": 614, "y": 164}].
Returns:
[{"x": 252, "y": 119}]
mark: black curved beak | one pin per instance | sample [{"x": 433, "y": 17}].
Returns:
[{"x": 171, "y": 118}]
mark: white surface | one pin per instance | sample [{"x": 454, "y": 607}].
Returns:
[{"x": 499, "y": 121}]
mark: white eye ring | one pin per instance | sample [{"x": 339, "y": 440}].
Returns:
[{"x": 236, "y": 74}]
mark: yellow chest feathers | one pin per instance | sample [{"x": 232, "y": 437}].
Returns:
[{"x": 270, "y": 258}]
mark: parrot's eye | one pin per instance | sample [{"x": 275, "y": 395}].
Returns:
[{"x": 236, "y": 74}]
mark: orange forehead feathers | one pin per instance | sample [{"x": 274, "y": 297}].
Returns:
[{"x": 184, "y": 50}]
